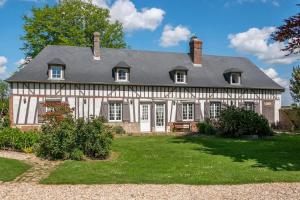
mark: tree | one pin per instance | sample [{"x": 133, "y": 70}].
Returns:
[
  {"x": 4, "y": 105},
  {"x": 71, "y": 22},
  {"x": 295, "y": 84},
  {"x": 289, "y": 32}
]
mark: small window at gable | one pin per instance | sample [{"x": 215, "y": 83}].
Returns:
[
  {"x": 122, "y": 74},
  {"x": 180, "y": 77},
  {"x": 235, "y": 78},
  {"x": 56, "y": 72}
]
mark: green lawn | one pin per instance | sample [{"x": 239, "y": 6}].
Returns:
[
  {"x": 10, "y": 169},
  {"x": 189, "y": 160}
]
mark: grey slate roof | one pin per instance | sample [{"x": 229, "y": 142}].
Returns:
[{"x": 147, "y": 68}]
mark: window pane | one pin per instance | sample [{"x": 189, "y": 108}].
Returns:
[
  {"x": 249, "y": 106},
  {"x": 56, "y": 71},
  {"x": 188, "y": 111},
  {"x": 122, "y": 74},
  {"x": 235, "y": 78},
  {"x": 215, "y": 109},
  {"x": 180, "y": 77},
  {"x": 115, "y": 112}
]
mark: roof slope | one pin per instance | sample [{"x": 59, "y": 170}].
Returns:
[{"x": 147, "y": 68}]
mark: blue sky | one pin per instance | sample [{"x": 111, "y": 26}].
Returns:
[{"x": 227, "y": 27}]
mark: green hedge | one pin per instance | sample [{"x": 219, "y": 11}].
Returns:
[{"x": 15, "y": 139}]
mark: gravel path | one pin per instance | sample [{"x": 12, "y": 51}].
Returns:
[
  {"x": 28, "y": 191},
  {"x": 40, "y": 168}
]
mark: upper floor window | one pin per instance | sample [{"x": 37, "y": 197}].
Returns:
[
  {"x": 122, "y": 74},
  {"x": 180, "y": 77},
  {"x": 188, "y": 111},
  {"x": 235, "y": 78},
  {"x": 56, "y": 72}
]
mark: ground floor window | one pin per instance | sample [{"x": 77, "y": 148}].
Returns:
[
  {"x": 215, "y": 110},
  {"x": 115, "y": 112},
  {"x": 188, "y": 111},
  {"x": 249, "y": 106}
]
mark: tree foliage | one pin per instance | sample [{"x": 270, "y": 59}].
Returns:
[
  {"x": 4, "y": 105},
  {"x": 289, "y": 32},
  {"x": 295, "y": 84},
  {"x": 71, "y": 22}
]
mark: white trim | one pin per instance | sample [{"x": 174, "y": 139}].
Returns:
[
  {"x": 115, "y": 114},
  {"x": 126, "y": 75},
  {"x": 184, "y": 77}
]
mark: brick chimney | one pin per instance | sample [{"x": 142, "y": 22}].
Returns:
[
  {"x": 196, "y": 51},
  {"x": 96, "y": 46}
]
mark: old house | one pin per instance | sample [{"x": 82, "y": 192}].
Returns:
[{"x": 143, "y": 91}]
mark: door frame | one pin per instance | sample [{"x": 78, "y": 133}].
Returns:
[
  {"x": 163, "y": 129},
  {"x": 149, "y": 116}
]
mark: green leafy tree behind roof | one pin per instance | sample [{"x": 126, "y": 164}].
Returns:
[{"x": 71, "y": 22}]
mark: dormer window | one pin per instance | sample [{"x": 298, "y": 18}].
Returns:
[
  {"x": 179, "y": 74},
  {"x": 56, "y": 69},
  {"x": 122, "y": 74},
  {"x": 180, "y": 77},
  {"x": 235, "y": 78},
  {"x": 56, "y": 72}
]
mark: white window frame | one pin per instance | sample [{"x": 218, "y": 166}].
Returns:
[
  {"x": 238, "y": 76},
  {"x": 183, "y": 73},
  {"x": 189, "y": 116},
  {"x": 126, "y": 75},
  {"x": 214, "y": 110},
  {"x": 61, "y": 72},
  {"x": 249, "y": 105},
  {"x": 114, "y": 113}
]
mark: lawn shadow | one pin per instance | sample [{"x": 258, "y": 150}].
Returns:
[{"x": 278, "y": 153}]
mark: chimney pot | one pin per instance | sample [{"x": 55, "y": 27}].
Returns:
[
  {"x": 196, "y": 50},
  {"x": 96, "y": 46}
]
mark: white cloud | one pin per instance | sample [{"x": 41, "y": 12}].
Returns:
[
  {"x": 2, "y": 2},
  {"x": 273, "y": 2},
  {"x": 99, "y": 3},
  {"x": 3, "y": 61},
  {"x": 257, "y": 42},
  {"x": 132, "y": 19},
  {"x": 273, "y": 74},
  {"x": 171, "y": 36},
  {"x": 20, "y": 62}
]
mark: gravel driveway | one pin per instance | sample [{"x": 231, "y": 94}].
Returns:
[{"x": 249, "y": 191}]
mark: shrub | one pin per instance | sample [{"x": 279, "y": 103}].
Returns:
[
  {"x": 63, "y": 137},
  {"x": 206, "y": 128},
  {"x": 119, "y": 130},
  {"x": 94, "y": 138},
  {"x": 235, "y": 122},
  {"x": 15, "y": 139},
  {"x": 77, "y": 154},
  {"x": 57, "y": 142}
]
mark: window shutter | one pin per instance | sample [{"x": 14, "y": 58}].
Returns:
[
  {"x": 198, "y": 113},
  {"x": 241, "y": 104},
  {"x": 126, "y": 113},
  {"x": 224, "y": 105},
  {"x": 179, "y": 112},
  {"x": 41, "y": 111},
  {"x": 257, "y": 107},
  {"x": 104, "y": 110},
  {"x": 152, "y": 115},
  {"x": 206, "y": 109}
]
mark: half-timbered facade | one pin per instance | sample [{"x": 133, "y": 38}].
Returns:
[{"x": 142, "y": 91}]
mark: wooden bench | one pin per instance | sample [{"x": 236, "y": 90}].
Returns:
[{"x": 182, "y": 126}]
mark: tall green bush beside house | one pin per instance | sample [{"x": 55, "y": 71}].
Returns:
[
  {"x": 63, "y": 137},
  {"x": 237, "y": 122}
]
